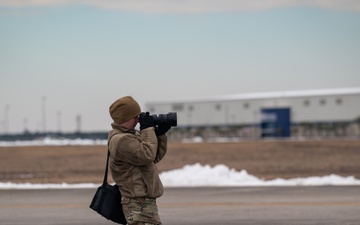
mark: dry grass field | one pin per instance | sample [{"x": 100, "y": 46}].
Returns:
[{"x": 264, "y": 159}]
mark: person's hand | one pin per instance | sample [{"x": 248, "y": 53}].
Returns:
[
  {"x": 145, "y": 120},
  {"x": 162, "y": 129}
]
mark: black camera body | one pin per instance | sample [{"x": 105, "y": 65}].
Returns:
[{"x": 164, "y": 119}]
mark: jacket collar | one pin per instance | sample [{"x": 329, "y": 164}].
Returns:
[{"x": 117, "y": 126}]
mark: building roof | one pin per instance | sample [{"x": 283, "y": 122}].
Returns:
[
  {"x": 291, "y": 94},
  {"x": 267, "y": 95}
]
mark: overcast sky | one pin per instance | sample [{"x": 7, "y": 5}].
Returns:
[{"x": 64, "y": 59}]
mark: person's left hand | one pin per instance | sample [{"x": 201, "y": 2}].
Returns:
[{"x": 162, "y": 129}]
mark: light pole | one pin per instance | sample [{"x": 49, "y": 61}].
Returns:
[
  {"x": 59, "y": 121},
  {"x": 78, "y": 123},
  {"x": 43, "y": 106},
  {"x": 25, "y": 121},
  {"x": 6, "y": 119}
]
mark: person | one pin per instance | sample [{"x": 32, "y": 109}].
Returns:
[{"x": 133, "y": 155}]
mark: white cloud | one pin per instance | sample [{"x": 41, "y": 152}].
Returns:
[{"x": 190, "y": 6}]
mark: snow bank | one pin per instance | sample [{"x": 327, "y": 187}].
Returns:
[{"x": 206, "y": 176}]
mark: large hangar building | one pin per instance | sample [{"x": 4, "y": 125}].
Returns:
[{"x": 274, "y": 114}]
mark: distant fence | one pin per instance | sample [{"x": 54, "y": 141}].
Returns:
[
  {"x": 235, "y": 133},
  {"x": 246, "y": 132},
  {"x": 27, "y": 136}
]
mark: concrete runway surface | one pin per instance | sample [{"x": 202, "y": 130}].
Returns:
[{"x": 326, "y": 205}]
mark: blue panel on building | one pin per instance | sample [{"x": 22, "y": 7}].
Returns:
[{"x": 275, "y": 122}]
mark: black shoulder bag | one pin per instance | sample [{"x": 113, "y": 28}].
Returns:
[{"x": 107, "y": 199}]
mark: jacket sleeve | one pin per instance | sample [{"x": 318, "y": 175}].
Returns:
[
  {"x": 162, "y": 148},
  {"x": 137, "y": 150}
]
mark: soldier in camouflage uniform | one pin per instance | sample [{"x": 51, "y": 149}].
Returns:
[{"x": 133, "y": 156}]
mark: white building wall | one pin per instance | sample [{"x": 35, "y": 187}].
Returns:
[
  {"x": 325, "y": 108},
  {"x": 245, "y": 111}
]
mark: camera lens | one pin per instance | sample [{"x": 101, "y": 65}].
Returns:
[{"x": 169, "y": 119}]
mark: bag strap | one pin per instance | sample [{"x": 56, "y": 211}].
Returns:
[
  {"x": 107, "y": 162},
  {"x": 106, "y": 168}
]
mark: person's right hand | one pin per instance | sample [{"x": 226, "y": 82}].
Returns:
[{"x": 145, "y": 120}]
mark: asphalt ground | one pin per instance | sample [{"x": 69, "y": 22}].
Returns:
[{"x": 325, "y": 205}]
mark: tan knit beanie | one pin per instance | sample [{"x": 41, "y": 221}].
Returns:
[{"x": 124, "y": 109}]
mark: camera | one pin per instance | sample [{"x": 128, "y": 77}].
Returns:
[
  {"x": 169, "y": 119},
  {"x": 164, "y": 119}
]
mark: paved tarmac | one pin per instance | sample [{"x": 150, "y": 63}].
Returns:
[{"x": 325, "y": 205}]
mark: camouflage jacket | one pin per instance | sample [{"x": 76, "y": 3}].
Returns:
[{"x": 133, "y": 156}]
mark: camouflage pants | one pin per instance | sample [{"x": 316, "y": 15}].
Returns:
[{"x": 140, "y": 211}]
